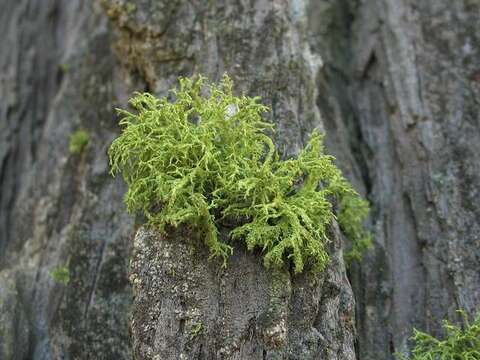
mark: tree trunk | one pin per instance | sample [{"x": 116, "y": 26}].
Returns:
[
  {"x": 187, "y": 307},
  {"x": 401, "y": 93},
  {"x": 394, "y": 84}
]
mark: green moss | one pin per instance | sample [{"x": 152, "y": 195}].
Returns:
[
  {"x": 78, "y": 141},
  {"x": 207, "y": 158},
  {"x": 458, "y": 343},
  {"x": 61, "y": 274}
]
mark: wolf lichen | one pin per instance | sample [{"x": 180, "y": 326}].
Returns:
[
  {"x": 206, "y": 158},
  {"x": 78, "y": 141},
  {"x": 351, "y": 213},
  {"x": 61, "y": 274},
  {"x": 458, "y": 344}
]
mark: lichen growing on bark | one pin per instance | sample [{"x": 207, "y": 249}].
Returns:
[
  {"x": 78, "y": 141},
  {"x": 61, "y": 274},
  {"x": 458, "y": 343},
  {"x": 206, "y": 158}
]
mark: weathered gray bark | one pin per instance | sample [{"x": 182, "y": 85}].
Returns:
[
  {"x": 398, "y": 98},
  {"x": 56, "y": 208},
  {"x": 187, "y": 307},
  {"x": 401, "y": 90}
]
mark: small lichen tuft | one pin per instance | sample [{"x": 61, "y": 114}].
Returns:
[
  {"x": 130, "y": 7},
  {"x": 458, "y": 343},
  {"x": 61, "y": 274},
  {"x": 78, "y": 141},
  {"x": 197, "y": 329}
]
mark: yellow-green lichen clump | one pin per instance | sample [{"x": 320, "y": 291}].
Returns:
[
  {"x": 206, "y": 158},
  {"x": 458, "y": 343}
]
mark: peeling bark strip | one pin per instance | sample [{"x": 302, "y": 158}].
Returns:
[{"x": 186, "y": 307}]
